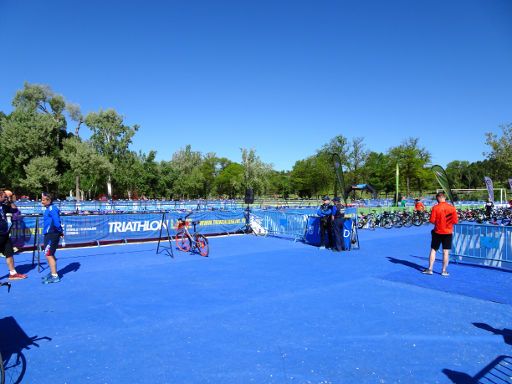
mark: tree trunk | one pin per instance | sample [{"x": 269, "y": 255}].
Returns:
[
  {"x": 77, "y": 188},
  {"x": 109, "y": 187}
]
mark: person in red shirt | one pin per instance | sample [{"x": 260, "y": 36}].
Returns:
[
  {"x": 418, "y": 205},
  {"x": 443, "y": 216}
]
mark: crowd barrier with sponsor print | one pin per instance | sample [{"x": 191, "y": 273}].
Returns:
[
  {"x": 87, "y": 229},
  {"x": 489, "y": 245},
  {"x": 300, "y": 225},
  {"x": 104, "y": 228}
]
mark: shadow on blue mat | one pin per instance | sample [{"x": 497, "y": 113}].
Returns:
[
  {"x": 488, "y": 284},
  {"x": 22, "y": 268},
  {"x": 406, "y": 263},
  {"x": 71, "y": 267},
  {"x": 13, "y": 340},
  {"x": 505, "y": 332},
  {"x": 498, "y": 371}
]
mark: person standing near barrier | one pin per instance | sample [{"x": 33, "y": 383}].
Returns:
[
  {"x": 52, "y": 231},
  {"x": 7, "y": 209},
  {"x": 489, "y": 206},
  {"x": 443, "y": 216},
  {"x": 325, "y": 212},
  {"x": 338, "y": 220},
  {"x": 418, "y": 205}
]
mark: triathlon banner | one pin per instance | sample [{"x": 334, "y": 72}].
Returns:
[
  {"x": 442, "y": 179},
  {"x": 88, "y": 229},
  {"x": 490, "y": 188}
]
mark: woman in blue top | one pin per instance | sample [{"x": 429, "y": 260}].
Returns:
[
  {"x": 52, "y": 231},
  {"x": 325, "y": 213}
]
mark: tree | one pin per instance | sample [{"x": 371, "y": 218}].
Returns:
[
  {"x": 85, "y": 162},
  {"x": 255, "y": 171},
  {"x": 230, "y": 181},
  {"x": 189, "y": 179},
  {"x": 35, "y": 128},
  {"x": 312, "y": 176},
  {"x": 501, "y": 151},
  {"x": 110, "y": 137},
  {"x": 40, "y": 174},
  {"x": 411, "y": 159}
]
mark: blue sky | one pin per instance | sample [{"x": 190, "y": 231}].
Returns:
[{"x": 282, "y": 77}]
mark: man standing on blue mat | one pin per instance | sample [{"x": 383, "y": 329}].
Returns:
[
  {"x": 52, "y": 231},
  {"x": 325, "y": 212},
  {"x": 338, "y": 214},
  {"x": 443, "y": 217}
]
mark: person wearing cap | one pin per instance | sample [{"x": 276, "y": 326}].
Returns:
[
  {"x": 7, "y": 209},
  {"x": 443, "y": 216},
  {"x": 338, "y": 220},
  {"x": 325, "y": 212}
]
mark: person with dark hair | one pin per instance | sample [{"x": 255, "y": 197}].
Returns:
[
  {"x": 52, "y": 231},
  {"x": 325, "y": 213},
  {"x": 443, "y": 216},
  {"x": 489, "y": 206},
  {"x": 7, "y": 209},
  {"x": 418, "y": 205},
  {"x": 338, "y": 220}
]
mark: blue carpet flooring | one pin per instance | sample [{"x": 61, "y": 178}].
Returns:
[{"x": 258, "y": 310}]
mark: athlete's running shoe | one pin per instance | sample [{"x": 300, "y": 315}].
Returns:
[
  {"x": 17, "y": 276},
  {"x": 51, "y": 279},
  {"x": 427, "y": 272}
]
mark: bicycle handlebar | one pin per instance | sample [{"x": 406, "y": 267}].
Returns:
[{"x": 8, "y": 285}]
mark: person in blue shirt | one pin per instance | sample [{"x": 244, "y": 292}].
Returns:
[
  {"x": 338, "y": 214},
  {"x": 325, "y": 214},
  {"x": 52, "y": 231}
]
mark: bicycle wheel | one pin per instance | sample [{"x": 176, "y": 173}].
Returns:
[
  {"x": 2, "y": 372},
  {"x": 387, "y": 223},
  {"x": 183, "y": 242},
  {"x": 202, "y": 245}
]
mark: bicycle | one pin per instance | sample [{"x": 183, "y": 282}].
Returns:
[
  {"x": 188, "y": 242},
  {"x": 2, "y": 370}
]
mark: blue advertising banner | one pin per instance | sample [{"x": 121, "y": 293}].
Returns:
[
  {"x": 312, "y": 235},
  {"x": 118, "y": 227}
]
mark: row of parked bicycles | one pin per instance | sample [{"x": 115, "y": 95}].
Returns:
[
  {"x": 389, "y": 220},
  {"x": 398, "y": 219}
]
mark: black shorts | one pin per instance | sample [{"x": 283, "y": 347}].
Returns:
[
  {"x": 6, "y": 245},
  {"x": 438, "y": 239},
  {"x": 51, "y": 242}
]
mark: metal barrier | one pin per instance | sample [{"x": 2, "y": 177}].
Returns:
[
  {"x": 489, "y": 245},
  {"x": 280, "y": 223}
]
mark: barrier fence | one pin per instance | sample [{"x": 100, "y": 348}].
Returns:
[
  {"x": 87, "y": 229},
  {"x": 489, "y": 245}
]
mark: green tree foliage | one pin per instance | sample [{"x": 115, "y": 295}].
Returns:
[
  {"x": 85, "y": 163},
  {"x": 256, "y": 172},
  {"x": 35, "y": 128},
  {"x": 41, "y": 174},
  {"x": 189, "y": 178},
  {"x": 38, "y": 153},
  {"x": 111, "y": 138},
  {"x": 230, "y": 181},
  {"x": 313, "y": 176},
  {"x": 412, "y": 160},
  {"x": 500, "y": 153}
]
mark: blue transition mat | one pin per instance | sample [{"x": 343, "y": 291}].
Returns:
[{"x": 258, "y": 310}]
